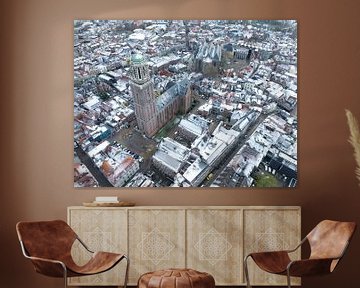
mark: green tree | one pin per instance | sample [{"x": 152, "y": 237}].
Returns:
[
  {"x": 266, "y": 180},
  {"x": 103, "y": 95}
]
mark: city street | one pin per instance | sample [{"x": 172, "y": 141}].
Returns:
[
  {"x": 95, "y": 171},
  {"x": 241, "y": 141}
]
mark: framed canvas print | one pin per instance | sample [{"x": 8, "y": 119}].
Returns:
[{"x": 185, "y": 103}]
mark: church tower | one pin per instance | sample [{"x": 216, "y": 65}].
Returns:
[{"x": 142, "y": 89}]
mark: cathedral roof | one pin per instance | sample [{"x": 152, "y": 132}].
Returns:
[
  {"x": 209, "y": 51},
  {"x": 177, "y": 90}
]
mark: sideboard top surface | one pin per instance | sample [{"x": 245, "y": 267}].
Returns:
[{"x": 192, "y": 207}]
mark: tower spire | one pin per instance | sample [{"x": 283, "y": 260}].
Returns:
[
  {"x": 139, "y": 69},
  {"x": 142, "y": 89}
]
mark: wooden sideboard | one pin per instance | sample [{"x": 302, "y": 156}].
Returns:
[{"x": 211, "y": 239}]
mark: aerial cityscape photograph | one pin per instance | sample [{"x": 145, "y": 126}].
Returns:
[{"x": 185, "y": 103}]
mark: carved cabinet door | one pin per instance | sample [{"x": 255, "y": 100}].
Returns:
[
  {"x": 214, "y": 244},
  {"x": 101, "y": 230},
  {"x": 156, "y": 240}
]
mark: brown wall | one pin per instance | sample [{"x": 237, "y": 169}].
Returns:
[{"x": 36, "y": 117}]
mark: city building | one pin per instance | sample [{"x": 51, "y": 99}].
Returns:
[
  {"x": 193, "y": 127},
  {"x": 170, "y": 157},
  {"x": 242, "y": 53},
  {"x": 119, "y": 171},
  {"x": 208, "y": 58},
  {"x": 153, "y": 112}
]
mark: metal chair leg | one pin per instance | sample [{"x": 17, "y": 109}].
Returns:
[
  {"x": 65, "y": 275},
  {"x": 288, "y": 278},
  {"x": 126, "y": 271},
  {"x": 246, "y": 270}
]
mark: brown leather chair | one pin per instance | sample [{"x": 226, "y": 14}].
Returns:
[
  {"x": 328, "y": 242},
  {"x": 48, "y": 245}
]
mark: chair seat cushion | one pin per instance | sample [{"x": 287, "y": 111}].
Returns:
[
  {"x": 176, "y": 278},
  {"x": 272, "y": 262},
  {"x": 99, "y": 262}
]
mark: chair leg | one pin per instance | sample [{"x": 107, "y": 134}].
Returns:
[
  {"x": 288, "y": 278},
  {"x": 126, "y": 271},
  {"x": 246, "y": 270},
  {"x": 65, "y": 276}
]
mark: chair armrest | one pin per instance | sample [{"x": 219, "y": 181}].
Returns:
[
  {"x": 309, "y": 267},
  {"x": 281, "y": 251},
  {"x": 83, "y": 244},
  {"x": 48, "y": 267},
  {"x": 45, "y": 260},
  {"x": 268, "y": 253},
  {"x": 298, "y": 246}
]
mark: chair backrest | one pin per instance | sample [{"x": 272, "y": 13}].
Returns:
[
  {"x": 329, "y": 239},
  {"x": 46, "y": 239}
]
